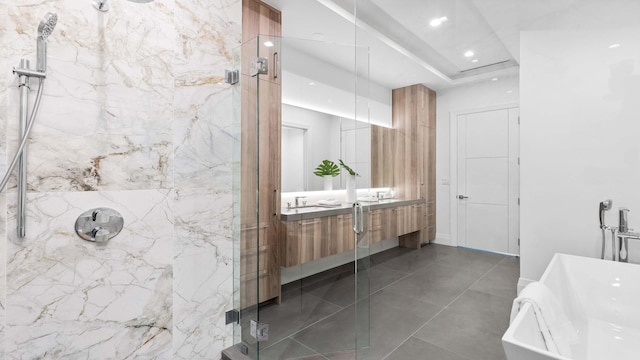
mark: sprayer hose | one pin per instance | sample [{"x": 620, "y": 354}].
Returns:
[{"x": 25, "y": 137}]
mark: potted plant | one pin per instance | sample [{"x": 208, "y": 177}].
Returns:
[
  {"x": 351, "y": 182},
  {"x": 327, "y": 170}
]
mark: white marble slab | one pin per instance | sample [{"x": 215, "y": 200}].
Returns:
[
  {"x": 133, "y": 101},
  {"x": 74, "y": 298},
  {"x": 108, "y": 101},
  {"x": 203, "y": 273}
]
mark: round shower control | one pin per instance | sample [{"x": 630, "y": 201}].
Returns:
[{"x": 99, "y": 225}]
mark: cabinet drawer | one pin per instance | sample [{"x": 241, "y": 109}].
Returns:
[{"x": 312, "y": 239}]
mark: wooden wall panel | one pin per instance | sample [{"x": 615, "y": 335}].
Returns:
[
  {"x": 260, "y": 159},
  {"x": 403, "y": 157}
]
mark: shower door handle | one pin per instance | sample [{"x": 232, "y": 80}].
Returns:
[
  {"x": 357, "y": 219},
  {"x": 276, "y": 64}
]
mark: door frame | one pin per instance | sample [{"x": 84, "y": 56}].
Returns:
[{"x": 453, "y": 163}]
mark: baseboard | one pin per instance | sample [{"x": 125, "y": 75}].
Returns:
[
  {"x": 443, "y": 239},
  {"x": 522, "y": 282}
]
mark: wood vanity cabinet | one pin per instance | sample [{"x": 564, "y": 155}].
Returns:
[
  {"x": 315, "y": 238},
  {"x": 311, "y": 239}
]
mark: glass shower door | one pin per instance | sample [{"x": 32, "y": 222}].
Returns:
[
  {"x": 257, "y": 196},
  {"x": 301, "y": 267}
]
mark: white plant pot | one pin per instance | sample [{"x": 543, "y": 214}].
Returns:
[
  {"x": 351, "y": 189},
  {"x": 328, "y": 182}
]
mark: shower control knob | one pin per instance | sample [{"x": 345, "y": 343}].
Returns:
[
  {"x": 100, "y": 235},
  {"x": 99, "y": 225}
]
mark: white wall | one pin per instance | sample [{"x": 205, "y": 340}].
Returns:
[
  {"x": 580, "y": 122},
  {"x": 322, "y": 142},
  {"x": 470, "y": 97}
]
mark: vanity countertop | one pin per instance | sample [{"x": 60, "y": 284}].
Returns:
[{"x": 316, "y": 211}]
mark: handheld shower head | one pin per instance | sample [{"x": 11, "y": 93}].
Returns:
[
  {"x": 47, "y": 25},
  {"x": 45, "y": 29},
  {"x": 604, "y": 206}
]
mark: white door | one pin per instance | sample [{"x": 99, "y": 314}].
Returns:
[{"x": 489, "y": 180}]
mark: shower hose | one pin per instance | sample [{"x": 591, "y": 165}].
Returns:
[{"x": 25, "y": 137}]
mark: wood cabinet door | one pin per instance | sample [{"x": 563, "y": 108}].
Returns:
[{"x": 376, "y": 223}]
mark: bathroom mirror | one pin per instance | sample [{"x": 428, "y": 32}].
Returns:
[
  {"x": 309, "y": 136},
  {"x": 318, "y": 108}
]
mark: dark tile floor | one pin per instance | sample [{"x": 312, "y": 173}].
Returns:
[{"x": 439, "y": 302}]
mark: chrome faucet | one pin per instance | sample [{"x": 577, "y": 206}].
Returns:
[
  {"x": 624, "y": 233},
  {"x": 378, "y": 194},
  {"x": 298, "y": 198}
]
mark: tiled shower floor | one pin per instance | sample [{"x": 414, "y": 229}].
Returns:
[{"x": 439, "y": 302}]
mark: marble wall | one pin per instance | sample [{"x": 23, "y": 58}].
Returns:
[{"x": 135, "y": 117}]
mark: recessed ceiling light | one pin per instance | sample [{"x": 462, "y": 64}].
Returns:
[
  {"x": 312, "y": 83},
  {"x": 509, "y": 92},
  {"x": 613, "y": 46},
  {"x": 474, "y": 61},
  {"x": 268, "y": 44},
  {"x": 494, "y": 79},
  {"x": 437, "y": 22},
  {"x": 468, "y": 53}
]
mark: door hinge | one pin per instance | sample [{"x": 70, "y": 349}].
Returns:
[
  {"x": 260, "y": 67},
  {"x": 231, "y": 76},
  {"x": 260, "y": 331},
  {"x": 232, "y": 316}
]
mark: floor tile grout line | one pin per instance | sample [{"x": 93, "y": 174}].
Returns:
[
  {"x": 427, "y": 342},
  {"x": 439, "y": 312},
  {"x": 315, "y": 322},
  {"x": 306, "y": 327},
  {"x": 305, "y": 345},
  {"x": 402, "y": 278}
]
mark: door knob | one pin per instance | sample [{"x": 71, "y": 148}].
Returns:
[{"x": 461, "y": 197}]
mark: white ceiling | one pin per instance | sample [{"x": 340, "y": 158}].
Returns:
[{"x": 404, "y": 49}]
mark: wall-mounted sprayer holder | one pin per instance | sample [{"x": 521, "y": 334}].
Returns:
[{"x": 99, "y": 225}]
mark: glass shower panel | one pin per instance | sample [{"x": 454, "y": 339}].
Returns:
[
  {"x": 247, "y": 225},
  {"x": 256, "y": 247},
  {"x": 325, "y": 292},
  {"x": 301, "y": 268},
  {"x": 363, "y": 200}
]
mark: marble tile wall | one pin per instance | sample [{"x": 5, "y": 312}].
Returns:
[
  {"x": 3, "y": 159},
  {"x": 135, "y": 117}
]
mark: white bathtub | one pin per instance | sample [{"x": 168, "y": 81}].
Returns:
[{"x": 602, "y": 300}]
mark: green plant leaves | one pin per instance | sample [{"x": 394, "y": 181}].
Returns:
[
  {"x": 349, "y": 170},
  {"x": 326, "y": 168}
]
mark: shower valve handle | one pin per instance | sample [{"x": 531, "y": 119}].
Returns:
[{"x": 100, "y": 235}]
